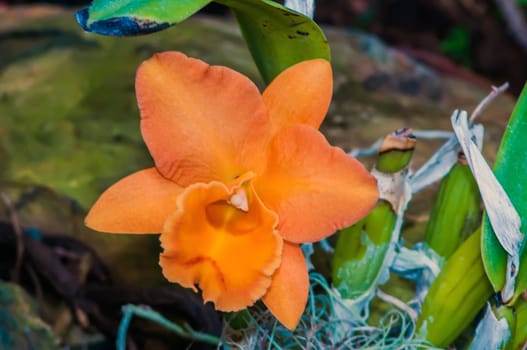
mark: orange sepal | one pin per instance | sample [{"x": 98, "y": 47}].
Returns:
[
  {"x": 201, "y": 123},
  {"x": 287, "y": 296},
  {"x": 138, "y": 203},
  {"x": 231, "y": 254},
  {"x": 316, "y": 189},
  {"x": 300, "y": 94}
]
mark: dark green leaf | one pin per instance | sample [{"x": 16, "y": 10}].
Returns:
[
  {"x": 277, "y": 36},
  {"x": 132, "y": 17},
  {"x": 510, "y": 169}
]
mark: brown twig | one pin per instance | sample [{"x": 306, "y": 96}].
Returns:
[
  {"x": 39, "y": 293},
  {"x": 15, "y": 273},
  {"x": 496, "y": 91}
]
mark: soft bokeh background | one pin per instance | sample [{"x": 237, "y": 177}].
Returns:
[{"x": 69, "y": 129}]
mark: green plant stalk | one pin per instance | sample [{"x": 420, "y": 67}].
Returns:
[
  {"x": 396, "y": 151},
  {"x": 518, "y": 338},
  {"x": 456, "y": 296},
  {"x": 456, "y": 210},
  {"x": 394, "y": 160},
  {"x": 508, "y": 313},
  {"x": 360, "y": 252},
  {"x": 510, "y": 169},
  {"x": 364, "y": 250}
]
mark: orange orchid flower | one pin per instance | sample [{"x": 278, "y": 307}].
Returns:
[{"x": 240, "y": 179}]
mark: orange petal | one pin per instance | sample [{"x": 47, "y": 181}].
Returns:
[
  {"x": 139, "y": 203},
  {"x": 300, "y": 94},
  {"x": 230, "y": 253},
  {"x": 316, "y": 189},
  {"x": 287, "y": 296},
  {"x": 201, "y": 123}
]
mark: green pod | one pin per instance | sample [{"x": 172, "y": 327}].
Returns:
[
  {"x": 510, "y": 169},
  {"x": 508, "y": 313},
  {"x": 456, "y": 211},
  {"x": 364, "y": 251},
  {"x": 456, "y": 296},
  {"x": 519, "y": 331}
]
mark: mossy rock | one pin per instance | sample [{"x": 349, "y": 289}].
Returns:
[
  {"x": 20, "y": 326},
  {"x": 69, "y": 115}
]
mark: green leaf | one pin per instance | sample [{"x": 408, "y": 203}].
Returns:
[
  {"x": 133, "y": 17},
  {"x": 277, "y": 36},
  {"x": 510, "y": 169}
]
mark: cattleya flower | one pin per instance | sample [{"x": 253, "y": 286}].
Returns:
[{"x": 240, "y": 179}]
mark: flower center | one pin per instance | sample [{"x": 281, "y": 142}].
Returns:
[
  {"x": 239, "y": 200},
  {"x": 235, "y": 214},
  {"x": 210, "y": 240}
]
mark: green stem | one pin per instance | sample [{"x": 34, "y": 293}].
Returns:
[{"x": 365, "y": 250}]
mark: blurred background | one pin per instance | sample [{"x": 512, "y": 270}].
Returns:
[
  {"x": 487, "y": 37},
  {"x": 69, "y": 129}
]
